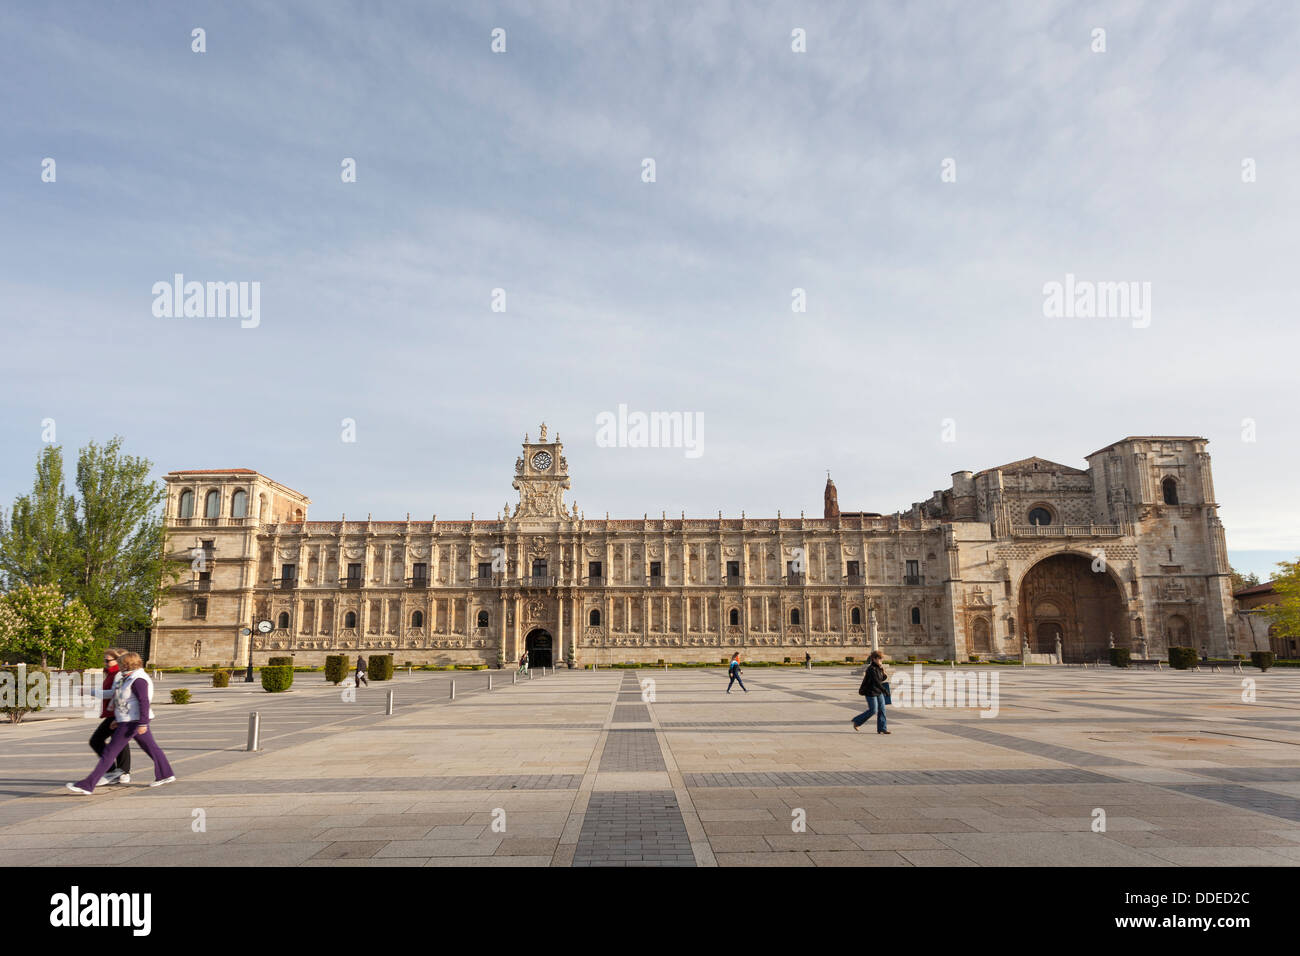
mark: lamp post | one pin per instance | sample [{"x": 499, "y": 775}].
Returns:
[{"x": 263, "y": 627}]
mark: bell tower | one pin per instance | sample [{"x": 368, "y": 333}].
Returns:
[
  {"x": 831, "y": 499},
  {"x": 541, "y": 478}
]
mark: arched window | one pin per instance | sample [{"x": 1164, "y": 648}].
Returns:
[
  {"x": 593, "y": 619},
  {"x": 734, "y": 617},
  {"x": 794, "y": 617},
  {"x": 1040, "y": 516},
  {"x": 1170, "y": 488},
  {"x": 417, "y": 619},
  {"x": 239, "y": 504},
  {"x": 482, "y": 618},
  {"x": 212, "y": 505},
  {"x": 916, "y": 615},
  {"x": 187, "y": 505},
  {"x": 283, "y": 622},
  {"x": 350, "y": 619},
  {"x": 855, "y": 616}
]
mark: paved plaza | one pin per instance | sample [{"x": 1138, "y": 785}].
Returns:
[{"x": 574, "y": 768}]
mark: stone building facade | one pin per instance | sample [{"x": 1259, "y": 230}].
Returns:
[{"x": 1130, "y": 550}]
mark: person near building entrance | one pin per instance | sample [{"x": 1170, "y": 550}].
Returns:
[
  {"x": 807, "y": 660},
  {"x": 873, "y": 689},
  {"x": 734, "y": 671},
  {"x": 360, "y": 677},
  {"x": 523, "y": 663}
]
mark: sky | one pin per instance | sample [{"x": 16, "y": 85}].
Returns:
[{"x": 921, "y": 171}]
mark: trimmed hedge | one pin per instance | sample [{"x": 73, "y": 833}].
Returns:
[
  {"x": 221, "y": 678},
  {"x": 1120, "y": 656},
  {"x": 276, "y": 679},
  {"x": 337, "y": 668},
  {"x": 181, "y": 695},
  {"x": 1182, "y": 658},
  {"x": 1262, "y": 659},
  {"x": 279, "y": 662},
  {"x": 379, "y": 667}
]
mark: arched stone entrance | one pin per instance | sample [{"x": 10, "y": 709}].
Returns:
[
  {"x": 1062, "y": 596},
  {"x": 538, "y": 645}
]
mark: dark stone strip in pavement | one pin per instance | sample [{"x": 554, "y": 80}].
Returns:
[
  {"x": 631, "y": 714},
  {"x": 1252, "y": 774},
  {"x": 1080, "y": 758},
  {"x": 873, "y": 778},
  {"x": 258, "y": 785},
  {"x": 1244, "y": 798},
  {"x": 633, "y": 828},
  {"x": 632, "y": 751}
]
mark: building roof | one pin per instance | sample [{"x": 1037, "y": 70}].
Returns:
[
  {"x": 1265, "y": 588},
  {"x": 1028, "y": 466},
  {"x": 1148, "y": 438},
  {"x": 213, "y": 471}
]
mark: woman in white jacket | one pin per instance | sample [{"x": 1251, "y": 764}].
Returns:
[{"x": 132, "y": 692}]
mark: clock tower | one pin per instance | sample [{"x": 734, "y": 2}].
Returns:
[{"x": 541, "y": 478}]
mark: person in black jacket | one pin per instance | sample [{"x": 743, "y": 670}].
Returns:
[
  {"x": 360, "y": 676},
  {"x": 873, "y": 689}
]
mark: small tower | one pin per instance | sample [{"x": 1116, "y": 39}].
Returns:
[{"x": 832, "y": 499}]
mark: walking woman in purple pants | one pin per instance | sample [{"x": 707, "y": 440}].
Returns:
[{"x": 132, "y": 692}]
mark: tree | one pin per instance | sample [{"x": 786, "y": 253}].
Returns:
[
  {"x": 1240, "y": 580},
  {"x": 1286, "y": 612},
  {"x": 102, "y": 546},
  {"x": 37, "y": 623}
]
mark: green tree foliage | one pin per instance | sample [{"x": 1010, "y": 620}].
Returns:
[
  {"x": 1286, "y": 613},
  {"x": 38, "y": 624},
  {"x": 102, "y": 545},
  {"x": 1240, "y": 580}
]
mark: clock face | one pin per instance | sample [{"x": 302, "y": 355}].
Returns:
[
  {"x": 265, "y": 627},
  {"x": 542, "y": 460}
]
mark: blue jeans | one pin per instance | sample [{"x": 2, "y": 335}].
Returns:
[
  {"x": 875, "y": 705},
  {"x": 735, "y": 679}
]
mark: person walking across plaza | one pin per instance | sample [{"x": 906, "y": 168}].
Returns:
[
  {"x": 523, "y": 663},
  {"x": 360, "y": 677},
  {"x": 733, "y": 669},
  {"x": 121, "y": 772},
  {"x": 874, "y": 688},
  {"x": 132, "y": 715}
]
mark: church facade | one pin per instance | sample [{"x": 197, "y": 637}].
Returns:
[{"x": 1032, "y": 556}]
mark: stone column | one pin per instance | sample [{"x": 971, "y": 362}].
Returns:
[{"x": 871, "y": 626}]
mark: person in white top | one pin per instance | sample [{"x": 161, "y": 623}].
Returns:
[{"x": 132, "y": 693}]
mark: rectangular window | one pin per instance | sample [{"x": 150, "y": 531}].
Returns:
[
  {"x": 539, "y": 569},
  {"x": 853, "y": 569},
  {"x": 654, "y": 569},
  {"x": 288, "y": 572},
  {"x": 420, "y": 571},
  {"x": 201, "y": 607},
  {"x": 913, "y": 569},
  {"x": 354, "y": 572},
  {"x": 484, "y": 570},
  {"x": 594, "y": 570}
]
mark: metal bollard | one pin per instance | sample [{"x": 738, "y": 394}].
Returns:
[
  {"x": 489, "y": 681},
  {"x": 514, "y": 678},
  {"x": 254, "y": 730},
  {"x": 453, "y": 690},
  {"x": 389, "y": 709}
]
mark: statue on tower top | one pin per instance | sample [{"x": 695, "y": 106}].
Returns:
[{"x": 542, "y": 437}]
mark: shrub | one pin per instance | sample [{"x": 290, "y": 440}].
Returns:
[
  {"x": 279, "y": 662},
  {"x": 1120, "y": 656},
  {"x": 1182, "y": 658},
  {"x": 221, "y": 678},
  {"x": 276, "y": 679},
  {"x": 380, "y": 667},
  {"x": 181, "y": 695},
  {"x": 336, "y": 668},
  {"x": 1262, "y": 659},
  {"x": 9, "y": 696},
  {"x": 974, "y": 658}
]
